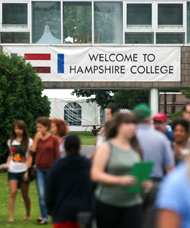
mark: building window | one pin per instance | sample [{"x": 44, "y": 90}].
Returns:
[
  {"x": 46, "y": 22},
  {"x": 102, "y": 116},
  {"x": 139, "y": 38},
  {"x": 73, "y": 114},
  {"x": 108, "y": 21},
  {"x": 170, "y": 15},
  {"x": 15, "y": 37},
  {"x": 139, "y": 15},
  {"x": 77, "y": 18},
  {"x": 170, "y": 38},
  {"x": 14, "y": 15}
]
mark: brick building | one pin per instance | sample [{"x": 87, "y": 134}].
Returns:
[{"x": 28, "y": 26}]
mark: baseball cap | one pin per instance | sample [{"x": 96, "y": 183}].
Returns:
[
  {"x": 142, "y": 111},
  {"x": 160, "y": 116}
]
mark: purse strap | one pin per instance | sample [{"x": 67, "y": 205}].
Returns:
[{"x": 42, "y": 151}]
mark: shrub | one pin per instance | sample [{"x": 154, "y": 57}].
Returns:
[{"x": 20, "y": 97}]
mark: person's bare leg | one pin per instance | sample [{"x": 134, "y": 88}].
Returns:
[
  {"x": 27, "y": 202},
  {"x": 13, "y": 184}
]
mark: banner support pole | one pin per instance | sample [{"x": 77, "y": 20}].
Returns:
[{"x": 154, "y": 100}]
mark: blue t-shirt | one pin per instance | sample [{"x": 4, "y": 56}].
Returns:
[
  {"x": 174, "y": 194},
  {"x": 170, "y": 135}
]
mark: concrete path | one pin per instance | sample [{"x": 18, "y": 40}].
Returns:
[{"x": 85, "y": 150}]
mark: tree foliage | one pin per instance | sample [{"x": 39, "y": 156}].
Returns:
[
  {"x": 101, "y": 97},
  {"x": 176, "y": 115},
  {"x": 125, "y": 99},
  {"x": 20, "y": 97},
  {"x": 186, "y": 93},
  {"x": 173, "y": 116}
]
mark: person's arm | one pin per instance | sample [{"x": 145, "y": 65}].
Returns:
[
  {"x": 35, "y": 142},
  {"x": 57, "y": 151},
  {"x": 168, "y": 219},
  {"x": 98, "y": 173},
  {"x": 170, "y": 168},
  {"x": 147, "y": 186},
  {"x": 30, "y": 160},
  {"x": 9, "y": 157}
]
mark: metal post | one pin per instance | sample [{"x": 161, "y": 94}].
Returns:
[
  {"x": 154, "y": 100},
  {"x": 165, "y": 103}
]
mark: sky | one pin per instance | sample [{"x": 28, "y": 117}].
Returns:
[{"x": 58, "y": 93}]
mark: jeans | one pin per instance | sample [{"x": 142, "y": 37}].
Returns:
[{"x": 41, "y": 177}]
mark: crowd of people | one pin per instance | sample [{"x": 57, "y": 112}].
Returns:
[{"x": 73, "y": 189}]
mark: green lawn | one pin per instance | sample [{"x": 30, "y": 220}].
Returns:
[
  {"x": 19, "y": 211},
  {"x": 86, "y": 137}
]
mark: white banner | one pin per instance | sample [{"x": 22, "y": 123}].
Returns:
[{"x": 142, "y": 64}]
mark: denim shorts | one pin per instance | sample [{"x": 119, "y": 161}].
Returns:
[{"x": 16, "y": 176}]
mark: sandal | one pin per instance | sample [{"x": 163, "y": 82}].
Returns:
[
  {"x": 42, "y": 223},
  {"x": 39, "y": 219}
]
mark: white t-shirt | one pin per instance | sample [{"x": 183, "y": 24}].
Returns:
[
  {"x": 19, "y": 159},
  {"x": 62, "y": 149},
  {"x": 100, "y": 140}
]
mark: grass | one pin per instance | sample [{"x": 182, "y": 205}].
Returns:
[
  {"x": 86, "y": 137},
  {"x": 19, "y": 211}
]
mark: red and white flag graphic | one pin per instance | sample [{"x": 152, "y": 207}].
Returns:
[{"x": 44, "y": 60}]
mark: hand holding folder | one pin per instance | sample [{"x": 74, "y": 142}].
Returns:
[{"x": 142, "y": 172}]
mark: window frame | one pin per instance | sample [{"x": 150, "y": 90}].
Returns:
[
  {"x": 139, "y": 29},
  {"x": 61, "y": 18},
  {"x": 155, "y": 30},
  {"x": 62, "y": 22},
  {"x": 65, "y": 110},
  {"x": 168, "y": 29},
  {"x": 13, "y": 28}
]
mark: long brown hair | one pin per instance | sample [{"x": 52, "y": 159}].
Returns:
[
  {"x": 111, "y": 128},
  {"x": 25, "y": 137}
]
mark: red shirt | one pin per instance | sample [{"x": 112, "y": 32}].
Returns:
[
  {"x": 47, "y": 152},
  {"x": 69, "y": 224}
]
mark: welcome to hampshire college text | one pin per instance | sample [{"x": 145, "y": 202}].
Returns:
[{"x": 116, "y": 66}]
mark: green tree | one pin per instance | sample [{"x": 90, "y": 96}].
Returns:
[
  {"x": 186, "y": 93},
  {"x": 20, "y": 97},
  {"x": 101, "y": 97},
  {"x": 125, "y": 99},
  {"x": 176, "y": 115}
]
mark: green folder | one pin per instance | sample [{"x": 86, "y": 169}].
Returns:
[{"x": 142, "y": 171}]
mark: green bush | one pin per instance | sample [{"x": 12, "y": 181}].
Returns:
[
  {"x": 176, "y": 115},
  {"x": 20, "y": 97}
]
